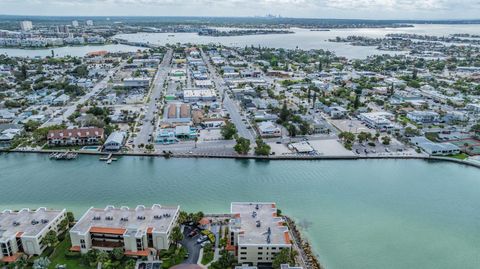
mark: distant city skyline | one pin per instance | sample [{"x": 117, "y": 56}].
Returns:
[{"x": 341, "y": 9}]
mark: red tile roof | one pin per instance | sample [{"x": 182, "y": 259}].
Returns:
[
  {"x": 102, "y": 230},
  {"x": 75, "y": 133}
]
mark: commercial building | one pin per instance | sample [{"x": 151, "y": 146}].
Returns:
[
  {"x": 26, "y": 25},
  {"x": 89, "y": 23},
  {"x": 256, "y": 233},
  {"x": 435, "y": 149},
  {"x": 378, "y": 120},
  {"x": 75, "y": 24},
  {"x": 139, "y": 232},
  {"x": 195, "y": 95},
  {"x": 76, "y": 136},
  {"x": 136, "y": 82},
  {"x": 21, "y": 232}
]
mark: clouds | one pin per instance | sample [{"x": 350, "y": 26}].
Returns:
[{"x": 370, "y": 9}]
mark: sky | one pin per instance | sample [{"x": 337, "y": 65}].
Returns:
[{"x": 342, "y": 9}]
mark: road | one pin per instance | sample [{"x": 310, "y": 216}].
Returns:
[
  {"x": 153, "y": 104},
  {"x": 228, "y": 103},
  {"x": 58, "y": 119}
]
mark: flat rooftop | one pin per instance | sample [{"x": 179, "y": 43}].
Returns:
[
  {"x": 126, "y": 221},
  {"x": 26, "y": 222},
  {"x": 253, "y": 221}
]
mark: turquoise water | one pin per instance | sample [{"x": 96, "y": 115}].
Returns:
[{"x": 357, "y": 214}]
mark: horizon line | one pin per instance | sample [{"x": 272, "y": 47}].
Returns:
[{"x": 233, "y": 17}]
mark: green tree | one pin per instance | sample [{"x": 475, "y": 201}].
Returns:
[
  {"x": 50, "y": 239},
  {"x": 70, "y": 217},
  {"x": 284, "y": 113},
  {"x": 242, "y": 146},
  {"x": 102, "y": 257},
  {"x": 31, "y": 125},
  {"x": 386, "y": 140},
  {"x": 90, "y": 258},
  {"x": 262, "y": 148},
  {"x": 182, "y": 217},
  {"x": 292, "y": 130},
  {"x": 228, "y": 131},
  {"x": 130, "y": 264},
  {"x": 176, "y": 235},
  {"x": 117, "y": 254},
  {"x": 476, "y": 129},
  {"x": 285, "y": 256}
]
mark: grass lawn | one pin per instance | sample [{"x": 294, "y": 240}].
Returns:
[
  {"x": 460, "y": 156},
  {"x": 207, "y": 257},
  {"x": 58, "y": 256}
]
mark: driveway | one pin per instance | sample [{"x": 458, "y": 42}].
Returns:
[{"x": 190, "y": 243}]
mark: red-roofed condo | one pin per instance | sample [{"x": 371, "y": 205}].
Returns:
[{"x": 75, "y": 136}]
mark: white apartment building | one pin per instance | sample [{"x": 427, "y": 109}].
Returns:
[
  {"x": 75, "y": 23},
  {"x": 256, "y": 233},
  {"x": 26, "y": 25},
  {"x": 423, "y": 116},
  {"x": 89, "y": 23},
  {"x": 140, "y": 231},
  {"x": 21, "y": 232}
]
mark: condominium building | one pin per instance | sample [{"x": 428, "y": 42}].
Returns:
[
  {"x": 257, "y": 234},
  {"x": 76, "y": 136},
  {"x": 26, "y": 25},
  {"x": 21, "y": 232},
  {"x": 139, "y": 232}
]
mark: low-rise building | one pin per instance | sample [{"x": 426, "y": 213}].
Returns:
[
  {"x": 269, "y": 129},
  {"x": 256, "y": 233},
  {"x": 137, "y": 231},
  {"x": 195, "y": 95},
  {"x": 22, "y": 231},
  {"x": 115, "y": 141},
  {"x": 139, "y": 82},
  {"x": 423, "y": 116},
  {"x": 435, "y": 149},
  {"x": 378, "y": 120},
  {"x": 75, "y": 136}
]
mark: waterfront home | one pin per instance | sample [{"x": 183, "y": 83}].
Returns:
[
  {"x": 256, "y": 234},
  {"x": 75, "y": 136},
  {"x": 140, "y": 232},
  {"x": 21, "y": 232},
  {"x": 115, "y": 141}
]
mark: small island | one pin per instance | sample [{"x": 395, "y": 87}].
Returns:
[{"x": 242, "y": 32}]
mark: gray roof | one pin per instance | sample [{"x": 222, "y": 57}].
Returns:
[{"x": 26, "y": 221}]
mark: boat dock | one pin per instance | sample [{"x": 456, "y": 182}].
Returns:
[
  {"x": 63, "y": 155},
  {"x": 108, "y": 159}
]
